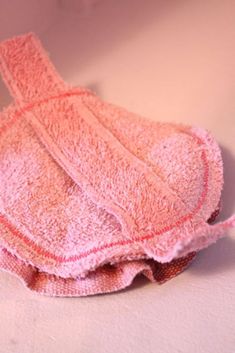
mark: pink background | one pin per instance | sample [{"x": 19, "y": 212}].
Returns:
[{"x": 170, "y": 61}]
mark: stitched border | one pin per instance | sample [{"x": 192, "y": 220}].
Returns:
[{"x": 41, "y": 251}]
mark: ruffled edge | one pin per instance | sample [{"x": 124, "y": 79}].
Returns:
[{"x": 105, "y": 279}]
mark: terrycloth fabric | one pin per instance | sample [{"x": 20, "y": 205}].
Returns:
[{"x": 92, "y": 195}]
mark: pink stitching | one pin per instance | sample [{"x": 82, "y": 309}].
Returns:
[
  {"x": 18, "y": 114},
  {"x": 39, "y": 250}
]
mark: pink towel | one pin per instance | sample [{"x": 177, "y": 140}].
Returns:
[{"x": 92, "y": 195}]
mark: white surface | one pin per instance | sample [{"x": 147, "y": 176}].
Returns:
[{"x": 170, "y": 61}]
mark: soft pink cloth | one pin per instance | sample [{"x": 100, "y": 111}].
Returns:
[{"x": 91, "y": 194}]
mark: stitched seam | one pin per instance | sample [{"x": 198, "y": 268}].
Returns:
[
  {"x": 68, "y": 167},
  {"x": 74, "y": 258},
  {"x": 27, "y": 108},
  {"x": 106, "y": 139},
  {"x": 173, "y": 191}
]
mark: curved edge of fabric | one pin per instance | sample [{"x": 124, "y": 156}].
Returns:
[
  {"x": 106, "y": 279},
  {"x": 196, "y": 234},
  {"x": 182, "y": 241}
]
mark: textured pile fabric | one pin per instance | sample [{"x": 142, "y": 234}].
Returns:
[{"x": 92, "y": 195}]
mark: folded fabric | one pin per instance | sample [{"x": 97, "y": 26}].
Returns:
[{"x": 91, "y": 194}]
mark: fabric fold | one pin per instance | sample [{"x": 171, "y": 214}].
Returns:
[{"x": 91, "y": 195}]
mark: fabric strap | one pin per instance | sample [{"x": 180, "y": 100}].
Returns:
[
  {"x": 112, "y": 176},
  {"x": 26, "y": 70}
]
